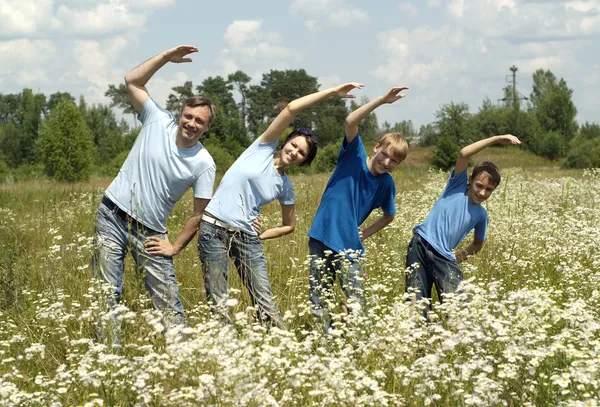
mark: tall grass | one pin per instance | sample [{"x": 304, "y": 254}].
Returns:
[{"x": 523, "y": 331}]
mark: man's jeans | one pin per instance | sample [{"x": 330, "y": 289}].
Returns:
[
  {"x": 215, "y": 246},
  {"x": 325, "y": 266},
  {"x": 114, "y": 237},
  {"x": 428, "y": 267}
]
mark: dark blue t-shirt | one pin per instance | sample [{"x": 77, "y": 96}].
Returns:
[
  {"x": 452, "y": 217},
  {"x": 352, "y": 193}
]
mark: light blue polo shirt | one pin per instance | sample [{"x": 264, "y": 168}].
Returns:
[
  {"x": 248, "y": 184},
  {"x": 452, "y": 217},
  {"x": 350, "y": 196},
  {"x": 157, "y": 173}
]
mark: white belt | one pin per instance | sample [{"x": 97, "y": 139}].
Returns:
[{"x": 214, "y": 221}]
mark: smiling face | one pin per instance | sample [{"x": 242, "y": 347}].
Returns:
[
  {"x": 383, "y": 160},
  {"x": 192, "y": 125},
  {"x": 480, "y": 188},
  {"x": 295, "y": 151}
]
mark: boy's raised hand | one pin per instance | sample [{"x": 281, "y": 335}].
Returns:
[
  {"x": 508, "y": 139},
  {"x": 394, "y": 94},
  {"x": 177, "y": 54},
  {"x": 342, "y": 90}
]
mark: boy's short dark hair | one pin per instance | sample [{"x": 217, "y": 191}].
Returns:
[
  {"x": 490, "y": 169},
  {"x": 311, "y": 139},
  {"x": 196, "y": 101}
]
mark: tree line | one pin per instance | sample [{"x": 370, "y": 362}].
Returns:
[{"x": 68, "y": 140}]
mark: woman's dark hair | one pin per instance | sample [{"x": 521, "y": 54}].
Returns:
[{"x": 311, "y": 139}]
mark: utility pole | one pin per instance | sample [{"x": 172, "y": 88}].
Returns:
[{"x": 516, "y": 95}]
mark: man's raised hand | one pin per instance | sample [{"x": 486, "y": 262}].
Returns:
[
  {"x": 177, "y": 54},
  {"x": 342, "y": 90},
  {"x": 394, "y": 94}
]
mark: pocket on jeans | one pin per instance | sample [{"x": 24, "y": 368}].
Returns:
[{"x": 207, "y": 234}]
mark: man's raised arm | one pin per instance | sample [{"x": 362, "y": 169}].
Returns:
[{"x": 139, "y": 76}]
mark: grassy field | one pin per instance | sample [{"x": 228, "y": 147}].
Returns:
[{"x": 524, "y": 331}]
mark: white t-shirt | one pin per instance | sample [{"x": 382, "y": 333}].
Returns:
[
  {"x": 248, "y": 184},
  {"x": 157, "y": 173}
]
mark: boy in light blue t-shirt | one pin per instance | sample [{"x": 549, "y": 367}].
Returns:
[
  {"x": 430, "y": 258},
  {"x": 359, "y": 185}
]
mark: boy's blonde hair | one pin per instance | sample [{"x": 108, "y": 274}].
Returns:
[{"x": 397, "y": 143}]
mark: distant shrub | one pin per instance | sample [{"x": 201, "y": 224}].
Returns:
[
  {"x": 445, "y": 154},
  {"x": 584, "y": 153},
  {"x": 551, "y": 145}
]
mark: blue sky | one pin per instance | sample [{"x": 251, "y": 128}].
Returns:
[{"x": 444, "y": 50}]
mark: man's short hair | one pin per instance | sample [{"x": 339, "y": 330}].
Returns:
[
  {"x": 397, "y": 143},
  {"x": 311, "y": 140},
  {"x": 196, "y": 101},
  {"x": 489, "y": 168}
]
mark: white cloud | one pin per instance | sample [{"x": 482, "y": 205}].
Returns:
[
  {"x": 247, "y": 42},
  {"x": 409, "y": 9},
  {"x": 18, "y": 55},
  {"x": 35, "y": 18},
  {"x": 27, "y": 17},
  {"x": 329, "y": 81},
  {"x": 336, "y": 13},
  {"x": 33, "y": 77}
]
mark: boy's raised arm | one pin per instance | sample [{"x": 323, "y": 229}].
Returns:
[
  {"x": 354, "y": 118},
  {"x": 284, "y": 119},
  {"x": 462, "y": 163}
]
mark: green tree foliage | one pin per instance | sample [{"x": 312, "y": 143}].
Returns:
[
  {"x": 120, "y": 98},
  {"x": 428, "y": 134},
  {"x": 455, "y": 121},
  {"x": 66, "y": 144},
  {"x": 585, "y": 148},
  {"x": 240, "y": 82},
  {"x": 176, "y": 101},
  {"x": 106, "y": 132},
  {"x": 445, "y": 153},
  {"x": 55, "y": 99},
  {"x": 492, "y": 120},
  {"x": 219, "y": 91},
  {"x": 275, "y": 91},
  {"x": 368, "y": 127},
  {"x": 552, "y": 101}
]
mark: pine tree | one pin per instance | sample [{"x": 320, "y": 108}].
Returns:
[{"x": 66, "y": 144}]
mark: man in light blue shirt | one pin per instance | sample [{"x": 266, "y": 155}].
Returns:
[
  {"x": 165, "y": 161},
  {"x": 430, "y": 258}
]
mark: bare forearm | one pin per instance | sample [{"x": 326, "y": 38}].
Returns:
[
  {"x": 141, "y": 74},
  {"x": 377, "y": 226},
  {"x": 470, "y": 250},
  {"x": 478, "y": 146},
  {"x": 276, "y": 232},
  {"x": 362, "y": 112},
  {"x": 187, "y": 233},
  {"x": 298, "y": 105}
]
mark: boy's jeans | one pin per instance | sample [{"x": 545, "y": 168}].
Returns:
[
  {"x": 428, "y": 267},
  {"x": 215, "y": 246},
  {"x": 114, "y": 237},
  {"x": 325, "y": 265}
]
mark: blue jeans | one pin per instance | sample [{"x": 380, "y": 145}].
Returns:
[
  {"x": 114, "y": 237},
  {"x": 428, "y": 267},
  {"x": 215, "y": 246},
  {"x": 325, "y": 266}
]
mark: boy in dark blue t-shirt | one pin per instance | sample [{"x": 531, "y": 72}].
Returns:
[
  {"x": 430, "y": 258},
  {"x": 359, "y": 185}
]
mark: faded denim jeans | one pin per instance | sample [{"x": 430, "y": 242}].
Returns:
[
  {"x": 325, "y": 266},
  {"x": 116, "y": 236},
  {"x": 215, "y": 246},
  {"x": 428, "y": 267}
]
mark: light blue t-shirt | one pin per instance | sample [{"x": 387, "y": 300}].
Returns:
[
  {"x": 248, "y": 184},
  {"x": 352, "y": 193},
  {"x": 157, "y": 173},
  {"x": 452, "y": 217}
]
